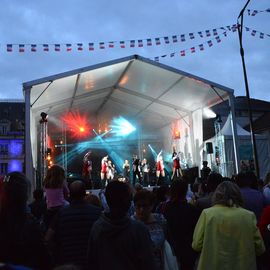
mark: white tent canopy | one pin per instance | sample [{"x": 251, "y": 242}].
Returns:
[{"x": 148, "y": 92}]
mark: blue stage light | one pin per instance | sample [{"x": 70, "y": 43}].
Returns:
[{"x": 121, "y": 127}]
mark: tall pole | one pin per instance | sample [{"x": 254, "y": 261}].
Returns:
[{"x": 253, "y": 140}]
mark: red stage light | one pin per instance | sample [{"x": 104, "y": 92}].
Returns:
[
  {"x": 77, "y": 124},
  {"x": 176, "y": 134}
]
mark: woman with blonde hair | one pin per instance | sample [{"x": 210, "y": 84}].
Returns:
[{"x": 226, "y": 234}]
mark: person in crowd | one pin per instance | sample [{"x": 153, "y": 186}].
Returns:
[
  {"x": 205, "y": 171},
  {"x": 38, "y": 207},
  {"x": 70, "y": 229},
  {"x": 160, "y": 170},
  {"x": 145, "y": 171},
  {"x": 116, "y": 241},
  {"x": 56, "y": 191},
  {"x": 266, "y": 189},
  {"x": 176, "y": 164},
  {"x": 226, "y": 234},
  {"x": 21, "y": 238},
  {"x": 253, "y": 199},
  {"x": 162, "y": 196},
  {"x": 213, "y": 180},
  {"x": 104, "y": 171},
  {"x": 87, "y": 169},
  {"x": 126, "y": 170},
  {"x": 93, "y": 199},
  {"x": 181, "y": 220},
  {"x": 136, "y": 169},
  {"x": 144, "y": 202}
]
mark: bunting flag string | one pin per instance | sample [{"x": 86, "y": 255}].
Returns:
[
  {"x": 194, "y": 49},
  {"x": 91, "y": 46},
  {"x": 254, "y": 12},
  {"x": 257, "y": 33}
]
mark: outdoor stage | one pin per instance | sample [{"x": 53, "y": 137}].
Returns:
[{"x": 122, "y": 107}]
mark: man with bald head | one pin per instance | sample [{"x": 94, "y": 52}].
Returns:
[{"x": 71, "y": 228}]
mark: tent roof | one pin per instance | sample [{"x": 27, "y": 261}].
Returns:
[
  {"x": 227, "y": 129},
  {"x": 132, "y": 86}
]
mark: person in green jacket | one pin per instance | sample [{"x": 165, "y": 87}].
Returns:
[{"x": 226, "y": 234}]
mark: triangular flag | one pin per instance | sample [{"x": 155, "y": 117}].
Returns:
[
  {"x": 80, "y": 46},
  {"x": 261, "y": 35},
  {"x": 101, "y": 45},
  {"x": 209, "y": 42},
  {"x": 140, "y": 43},
  {"x": 174, "y": 38},
  {"x": 21, "y": 47},
  {"x": 69, "y": 47},
  {"x": 183, "y": 53},
  {"x": 149, "y": 42},
  {"x": 111, "y": 44},
  {"x": 172, "y": 54},
  {"x": 57, "y": 47},
  {"x": 9, "y": 47},
  {"x": 192, "y": 49},
  {"x": 122, "y": 44},
  {"x": 45, "y": 47},
  {"x": 218, "y": 39},
  {"x": 156, "y": 59},
  {"x": 200, "y": 34},
  {"x": 215, "y": 32},
  {"x": 33, "y": 47},
  {"x": 201, "y": 47},
  {"x": 191, "y": 35},
  {"x": 91, "y": 46},
  {"x": 132, "y": 43},
  {"x": 253, "y": 33},
  {"x": 166, "y": 39},
  {"x": 157, "y": 40},
  {"x": 183, "y": 38}
]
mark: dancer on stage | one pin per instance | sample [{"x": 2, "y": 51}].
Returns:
[
  {"x": 176, "y": 164},
  {"x": 104, "y": 170},
  {"x": 145, "y": 171},
  {"x": 159, "y": 167},
  {"x": 136, "y": 169},
  {"x": 126, "y": 170},
  {"x": 110, "y": 171},
  {"x": 87, "y": 169}
]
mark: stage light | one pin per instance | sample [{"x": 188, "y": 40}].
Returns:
[
  {"x": 82, "y": 129},
  {"x": 208, "y": 113},
  {"x": 44, "y": 117},
  {"x": 176, "y": 134},
  {"x": 121, "y": 127}
]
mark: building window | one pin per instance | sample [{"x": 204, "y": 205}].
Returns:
[
  {"x": 4, "y": 149},
  {"x": 3, "y": 168}
]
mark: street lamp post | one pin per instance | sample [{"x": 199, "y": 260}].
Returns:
[{"x": 253, "y": 140}]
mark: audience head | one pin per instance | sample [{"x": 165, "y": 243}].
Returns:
[
  {"x": 178, "y": 190},
  {"x": 144, "y": 202},
  {"x": 14, "y": 193},
  {"x": 93, "y": 199},
  {"x": 118, "y": 196},
  {"x": 227, "y": 194},
  {"x": 55, "y": 177},
  {"x": 213, "y": 180},
  {"x": 161, "y": 193},
  {"x": 138, "y": 187},
  {"x": 77, "y": 190}
]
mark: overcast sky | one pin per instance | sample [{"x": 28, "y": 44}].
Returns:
[{"x": 84, "y": 21}]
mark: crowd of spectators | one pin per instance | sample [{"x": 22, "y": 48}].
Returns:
[{"x": 217, "y": 223}]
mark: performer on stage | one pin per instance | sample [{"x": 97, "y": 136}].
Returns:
[
  {"x": 87, "y": 169},
  {"x": 145, "y": 171},
  {"x": 136, "y": 169},
  {"x": 110, "y": 171},
  {"x": 126, "y": 170},
  {"x": 159, "y": 167},
  {"x": 176, "y": 164},
  {"x": 104, "y": 170}
]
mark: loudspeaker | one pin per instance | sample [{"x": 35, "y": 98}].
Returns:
[{"x": 209, "y": 148}]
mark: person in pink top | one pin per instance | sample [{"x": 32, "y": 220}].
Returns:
[{"x": 56, "y": 191}]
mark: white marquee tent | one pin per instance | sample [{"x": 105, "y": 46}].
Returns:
[{"x": 155, "y": 95}]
